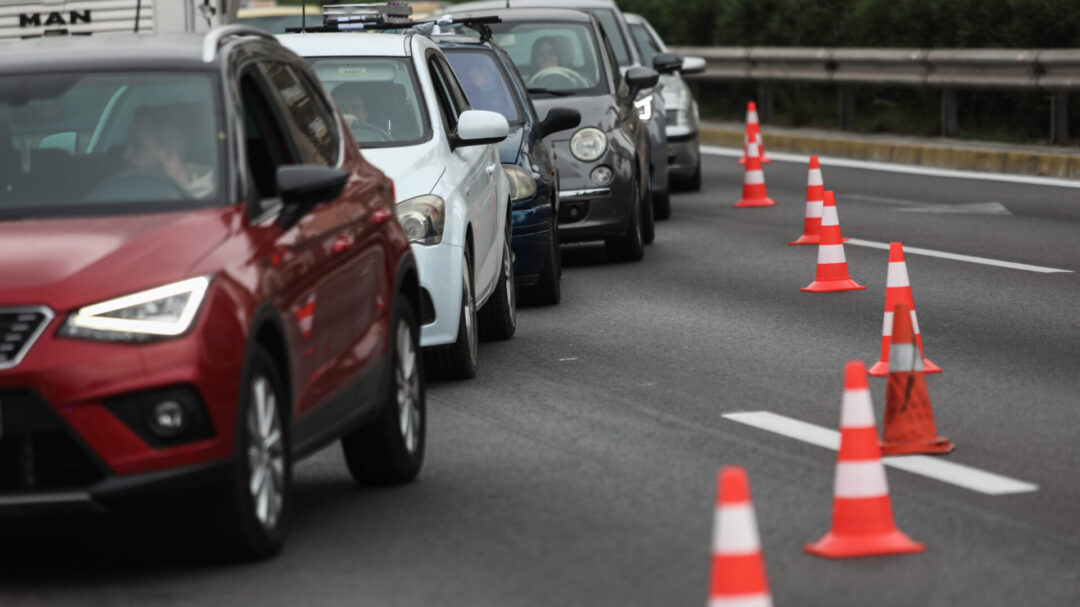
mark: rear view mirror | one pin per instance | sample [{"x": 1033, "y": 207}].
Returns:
[
  {"x": 693, "y": 65},
  {"x": 667, "y": 63},
  {"x": 302, "y": 186},
  {"x": 559, "y": 119},
  {"x": 478, "y": 127},
  {"x": 639, "y": 78}
]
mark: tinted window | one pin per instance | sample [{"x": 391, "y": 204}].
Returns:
[
  {"x": 447, "y": 105},
  {"x": 557, "y": 56},
  {"x": 378, "y": 97},
  {"x": 311, "y": 124},
  {"x": 610, "y": 21},
  {"x": 79, "y": 143},
  {"x": 645, "y": 43},
  {"x": 484, "y": 82}
]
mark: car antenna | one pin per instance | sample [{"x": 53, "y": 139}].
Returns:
[
  {"x": 138, "y": 9},
  {"x": 303, "y": 15}
]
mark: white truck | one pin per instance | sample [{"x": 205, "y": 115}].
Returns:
[{"x": 31, "y": 18}]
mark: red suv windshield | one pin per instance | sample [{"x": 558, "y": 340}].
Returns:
[{"x": 81, "y": 143}]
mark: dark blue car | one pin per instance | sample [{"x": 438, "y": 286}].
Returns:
[{"x": 492, "y": 83}]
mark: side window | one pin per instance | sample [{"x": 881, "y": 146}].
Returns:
[
  {"x": 265, "y": 146},
  {"x": 309, "y": 123},
  {"x": 450, "y": 109},
  {"x": 460, "y": 99},
  {"x": 613, "y": 64}
]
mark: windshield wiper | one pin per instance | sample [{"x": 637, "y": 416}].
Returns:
[{"x": 542, "y": 91}]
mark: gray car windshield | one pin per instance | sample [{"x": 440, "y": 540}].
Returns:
[
  {"x": 79, "y": 143},
  {"x": 378, "y": 97},
  {"x": 484, "y": 82},
  {"x": 554, "y": 57}
]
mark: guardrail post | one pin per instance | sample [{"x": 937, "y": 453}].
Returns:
[
  {"x": 767, "y": 105},
  {"x": 1059, "y": 117},
  {"x": 847, "y": 108},
  {"x": 948, "y": 112}
]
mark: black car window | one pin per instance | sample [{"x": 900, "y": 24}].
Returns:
[
  {"x": 445, "y": 99},
  {"x": 265, "y": 145},
  {"x": 458, "y": 94},
  {"x": 485, "y": 83},
  {"x": 610, "y": 21},
  {"x": 646, "y": 44},
  {"x": 309, "y": 123},
  {"x": 616, "y": 73}
]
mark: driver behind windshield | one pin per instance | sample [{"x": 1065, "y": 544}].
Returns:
[
  {"x": 549, "y": 51},
  {"x": 157, "y": 142},
  {"x": 349, "y": 98}
]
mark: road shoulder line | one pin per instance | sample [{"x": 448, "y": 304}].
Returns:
[
  {"x": 871, "y": 244},
  {"x": 936, "y": 468}
]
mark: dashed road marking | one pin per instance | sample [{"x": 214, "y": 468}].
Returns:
[
  {"x": 713, "y": 150},
  {"x": 930, "y": 467},
  {"x": 957, "y": 257}
]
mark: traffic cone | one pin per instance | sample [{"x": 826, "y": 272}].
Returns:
[
  {"x": 909, "y": 419},
  {"x": 815, "y": 200},
  {"x": 832, "y": 272},
  {"x": 753, "y": 189},
  {"x": 862, "y": 519},
  {"x": 753, "y": 134},
  {"x": 898, "y": 289},
  {"x": 738, "y": 569}
]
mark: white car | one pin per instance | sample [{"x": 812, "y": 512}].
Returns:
[{"x": 409, "y": 115}]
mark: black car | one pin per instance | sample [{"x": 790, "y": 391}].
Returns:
[
  {"x": 566, "y": 60},
  {"x": 493, "y": 83}
]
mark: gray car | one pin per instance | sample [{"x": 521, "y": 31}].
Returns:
[
  {"x": 650, "y": 102},
  {"x": 683, "y": 145},
  {"x": 566, "y": 60}
]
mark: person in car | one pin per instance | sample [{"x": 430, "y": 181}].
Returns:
[
  {"x": 157, "y": 142},
  {"x": 350, "y": 100},
  {"x": 484, "y": 91},
  {"x": 548, "y": 51}
]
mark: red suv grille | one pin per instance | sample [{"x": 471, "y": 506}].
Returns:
[
  {"x": 19, "y": 327},
  {"x": 36, "y": 450}
]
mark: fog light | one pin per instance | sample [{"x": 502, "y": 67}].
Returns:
[
  {"x": 602, "y": 175},
  {"x": 167, "y": 418}
]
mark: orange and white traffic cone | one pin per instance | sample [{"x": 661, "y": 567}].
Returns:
[
  {"x": 862, "y": 519},
  {"x": 815, "y": 201},
  {"x": 738, "y": 568},
  {"x": 832, "y": 271},
  {"x": 753, "y": 189},
  {"x": 897, "y": 290},
  {"x": 753, "y": 134},
  {"x": 909, "y": 419}
]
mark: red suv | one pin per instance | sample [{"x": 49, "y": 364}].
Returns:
[{"x": 201, "y": 280}]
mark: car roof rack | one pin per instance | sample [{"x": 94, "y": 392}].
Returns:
[
  {"x": 217, "y": 37},
  {"x": 389, "y": 16}
]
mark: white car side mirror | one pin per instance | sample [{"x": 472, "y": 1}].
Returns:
[
  {"x": 693, "y": 65},
  {"x": 478, "y": 127}
]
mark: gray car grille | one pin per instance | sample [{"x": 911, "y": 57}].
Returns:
[{"x": 19, "y": 328}]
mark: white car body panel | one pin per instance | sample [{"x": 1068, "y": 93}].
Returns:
[{"x": 470, "y": 181}]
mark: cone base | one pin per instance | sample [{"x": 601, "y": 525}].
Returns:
[
  {"x": 826, "y": 286},
  {"x": 881, "y": 368},
  {"x": 754, "y": 202},
  {"x": 804, "y": 239},
  {"x": 846, "y": 546},
  {"x": 938, "y": 446}
]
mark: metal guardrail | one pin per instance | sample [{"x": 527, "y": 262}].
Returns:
[{"x": 1056, "y": 72}]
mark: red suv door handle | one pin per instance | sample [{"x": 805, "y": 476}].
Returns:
[{"x": 381, "y": 216}]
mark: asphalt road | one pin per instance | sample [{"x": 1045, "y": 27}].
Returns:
[{"x": 579, "y": 467}]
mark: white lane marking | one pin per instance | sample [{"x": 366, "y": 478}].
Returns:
[
  {"x": 956, "y": 257},
  {"x": 930, "y": 467},
  {"x": 910, "y": 169},
  {"x": 968, "y": 208},
  {"x": 563, "y": 360}
]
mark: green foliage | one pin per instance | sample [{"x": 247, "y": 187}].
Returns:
[{"x": 865, "y": 23}]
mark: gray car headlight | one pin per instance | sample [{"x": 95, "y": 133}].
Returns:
[
  {"x": 522, "y": 184},
  {"x": 588, "y": 144},
  {"x": 165, "y": 311},
  {"x": 423, "y": 218}
]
